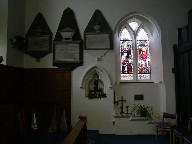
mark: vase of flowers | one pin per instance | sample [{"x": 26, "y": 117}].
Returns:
[{"x": 142, "y": 111}]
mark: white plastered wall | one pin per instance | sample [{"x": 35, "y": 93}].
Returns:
[
  {"x": 168, "y": 14},
  {"x": 3, "y": 28}
]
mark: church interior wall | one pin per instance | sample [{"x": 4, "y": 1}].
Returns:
[
  {"x": 169, "y": 15},
  {"x": 15, "y": 25},
  {"x": 3, "y": 28}
]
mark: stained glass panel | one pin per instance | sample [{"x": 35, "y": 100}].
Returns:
[
  {"x": 134, "y": 25},
  {"x": 144, "y": 59},
  {"x": 126, "y": 56},
  {"x": 125, "y": 35}
]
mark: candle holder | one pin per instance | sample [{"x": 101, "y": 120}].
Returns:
[
  {"x": 116, "y": 102},
  {"x": 127, "y": 109}
]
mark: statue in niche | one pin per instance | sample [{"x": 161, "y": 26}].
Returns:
[
  {"x": 96, "y": 88},
  {"x": 96, "y": 81}
]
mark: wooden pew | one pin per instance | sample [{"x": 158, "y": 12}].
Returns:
[{"x": 79, "y": 132}]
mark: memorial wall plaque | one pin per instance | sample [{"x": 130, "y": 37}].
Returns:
[
  {"x": 38, "y": 43},
  {"x": 98, "y": 34},
  {"x": 67, "y": 45},
  {"x": 97, "y": 41},
  {"x": 39, "y": 38},
  {"x": 67, "y": 53}
]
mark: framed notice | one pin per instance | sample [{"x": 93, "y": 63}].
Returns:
[
  {"x": 66, "y": 53},
  {"x": 97, "y": 41}
]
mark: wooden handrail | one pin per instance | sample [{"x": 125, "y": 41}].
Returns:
[{"x": 78, "y": 133}]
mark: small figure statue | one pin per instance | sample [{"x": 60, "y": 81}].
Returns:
[{"x": 96, "y": 81}]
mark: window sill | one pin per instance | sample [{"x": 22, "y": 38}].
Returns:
[
  {"x": 122, "y": 115},
  {"x": 137, "y": 81},
  {"x": 138, "y": 119}
]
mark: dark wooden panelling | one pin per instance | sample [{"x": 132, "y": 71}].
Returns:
[
  {"x": 47, "y": 88},
  {"x": 11, "y": 101},
  {"x": 190, "y": 24},
  {"x": 183, "y": 73},
  {"x": 11, "y": 85},
  {"x": 187, "y": 90},
  {"x": 190, "y": 98},
  {"x": 38, "y": 89},
  {"x": 181, "y": 83},
  {"x": 9, "y": 124}
]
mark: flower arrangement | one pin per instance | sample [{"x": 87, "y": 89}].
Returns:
[
  {"x": 142, "y": 111},
  {"x": 96, "y": 94}
]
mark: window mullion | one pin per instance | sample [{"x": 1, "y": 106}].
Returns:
[{"x": 135, "y": 58}]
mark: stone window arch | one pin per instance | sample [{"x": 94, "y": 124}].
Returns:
[{"x": 138, "y": 50}]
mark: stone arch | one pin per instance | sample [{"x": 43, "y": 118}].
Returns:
[
  {"x": 103, "y": 78},
  {"x": 154, "y": 30}
]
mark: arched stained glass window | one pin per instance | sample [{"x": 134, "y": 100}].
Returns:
[
  {"x": 143, "y": 59},
  {"x": 135, "y": 53},
  {"x": 134, "y": 25},
  {"x": 126, "y": 55}
]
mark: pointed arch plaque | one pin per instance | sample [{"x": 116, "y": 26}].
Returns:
[
  {"x": 67, "y": 46},
  {"x": 98, "y": 34},
  {"x": 39, "y": 38}
]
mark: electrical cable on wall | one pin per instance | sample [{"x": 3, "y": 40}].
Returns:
[{"x": 99, "y": 58}]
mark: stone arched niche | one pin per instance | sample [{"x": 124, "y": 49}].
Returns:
[{"x": 96, "y": 82}]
